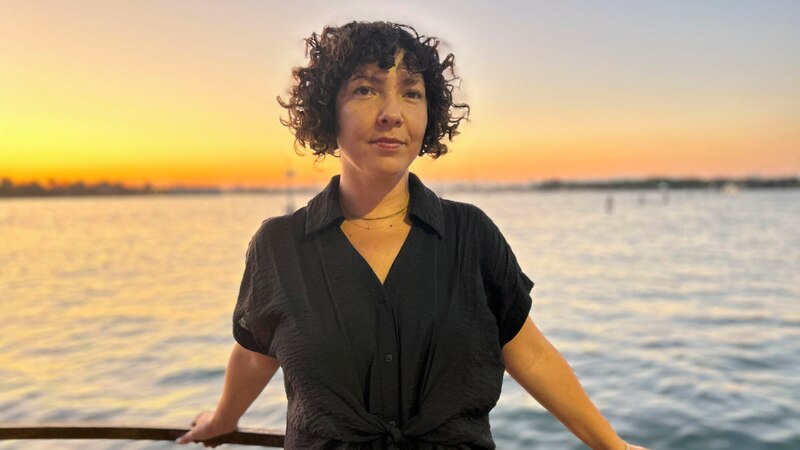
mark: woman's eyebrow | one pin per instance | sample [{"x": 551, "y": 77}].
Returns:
[
  {"x": 406, "y": 78},
  {"x": 361, "y": 76},
  {"x": 411, "y": 80}
]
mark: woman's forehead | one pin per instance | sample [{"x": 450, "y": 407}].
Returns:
[{"x": 373, "y": 71}]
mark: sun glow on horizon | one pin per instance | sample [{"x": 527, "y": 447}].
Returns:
[{"x": 184, "y": 94}]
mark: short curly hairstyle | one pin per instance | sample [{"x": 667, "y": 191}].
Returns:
[{"x": 335, "y": 55}]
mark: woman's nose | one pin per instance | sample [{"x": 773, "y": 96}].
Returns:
[{"x": 390, "y": 114}]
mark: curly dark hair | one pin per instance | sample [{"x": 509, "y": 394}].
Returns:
[{"x": 338, "y": 52}]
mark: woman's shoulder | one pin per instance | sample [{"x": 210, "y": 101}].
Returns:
[
  {"x": 279, "y": 228},
  {"x": 464, "y": 213}
]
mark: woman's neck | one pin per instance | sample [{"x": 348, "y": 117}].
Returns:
[{"x": 372, "y": 197}]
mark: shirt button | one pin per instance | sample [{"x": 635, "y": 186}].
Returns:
[
  {"x": 388, "y": 358},
  {"x": 393, "y": 423}
]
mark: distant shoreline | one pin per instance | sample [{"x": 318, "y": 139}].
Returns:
[{"x": 80, "y": 189}]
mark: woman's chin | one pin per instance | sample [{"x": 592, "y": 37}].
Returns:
[{"x": 388, "y": 169}]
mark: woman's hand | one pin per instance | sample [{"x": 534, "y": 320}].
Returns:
[
  {"x": 539, "y": 368},
  {"x": 247, "y": 374},
  {"x": 205, "y": 429}
]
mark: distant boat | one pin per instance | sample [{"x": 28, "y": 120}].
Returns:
[
  {"x": 664, "y": 188},
  {"x": 730, "y": 189}
]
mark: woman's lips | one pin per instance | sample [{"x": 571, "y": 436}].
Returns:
[{"x": 388, "y": 144}]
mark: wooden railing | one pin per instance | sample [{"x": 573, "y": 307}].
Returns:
[{"x": 243, "y": 436}]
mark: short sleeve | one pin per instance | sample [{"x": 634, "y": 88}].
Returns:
[
  {"x": 254, "y": 317},
  {"x": 507, "y": 287}
]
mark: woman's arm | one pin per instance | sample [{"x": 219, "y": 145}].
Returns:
[
  {"x": 247, "y": 374},
  {"x": 545, "y": 374}
]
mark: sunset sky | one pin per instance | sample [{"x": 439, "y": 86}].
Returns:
[{"x": 183, "y": 92}]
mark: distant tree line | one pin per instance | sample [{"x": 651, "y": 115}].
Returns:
[
  {"x": 80, "y": 188},
  {"x": 673, "y": 183},
  {"x": 34, "y": 189},
  {"x": 632, "y": 185}
]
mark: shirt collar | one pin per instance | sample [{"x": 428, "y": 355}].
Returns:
[{"x": 424, "y": 204}]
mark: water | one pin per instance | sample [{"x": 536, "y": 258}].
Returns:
[{"x": 681, "y": 319}]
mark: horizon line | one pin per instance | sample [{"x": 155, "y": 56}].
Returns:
[{"x": 51, "y": 182}]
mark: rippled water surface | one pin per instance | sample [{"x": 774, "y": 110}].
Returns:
[{"x": 681, "y": 318}]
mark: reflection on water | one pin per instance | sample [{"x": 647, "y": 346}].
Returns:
[{"x": 680, "y": 318}]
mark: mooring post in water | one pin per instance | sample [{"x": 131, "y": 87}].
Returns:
[{"x": 243, "y": 436}]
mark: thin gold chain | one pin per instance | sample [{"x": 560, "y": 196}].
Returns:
[
  {"x": 368, "y": 227},
  {"x": 353, "y": 216}
]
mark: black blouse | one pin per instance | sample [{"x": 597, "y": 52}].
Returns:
[{"x": 414, "y": 363}]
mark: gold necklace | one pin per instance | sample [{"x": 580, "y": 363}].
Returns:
[
  {"x": 353, "y": 216},
  {"x": 368, "y": 227}
]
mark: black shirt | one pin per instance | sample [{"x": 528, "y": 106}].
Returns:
[{"x": 413, "y": 363}]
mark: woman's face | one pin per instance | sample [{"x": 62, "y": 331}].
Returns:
[{"x": 382, "y": 116}]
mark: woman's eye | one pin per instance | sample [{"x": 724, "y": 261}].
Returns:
[
  {"x": 362, "y": 90},
  {"x": 414, "y": 94}
]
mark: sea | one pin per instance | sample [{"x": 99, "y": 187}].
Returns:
[{"x": 679, "y": 311}]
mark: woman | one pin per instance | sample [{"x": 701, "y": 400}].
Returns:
[{"x": 393, "y": 313}]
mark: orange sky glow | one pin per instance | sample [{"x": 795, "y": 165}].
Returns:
[{"x": 183, "y": 93}]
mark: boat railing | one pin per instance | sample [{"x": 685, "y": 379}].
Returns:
[{"x": 243, "y": 436}]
